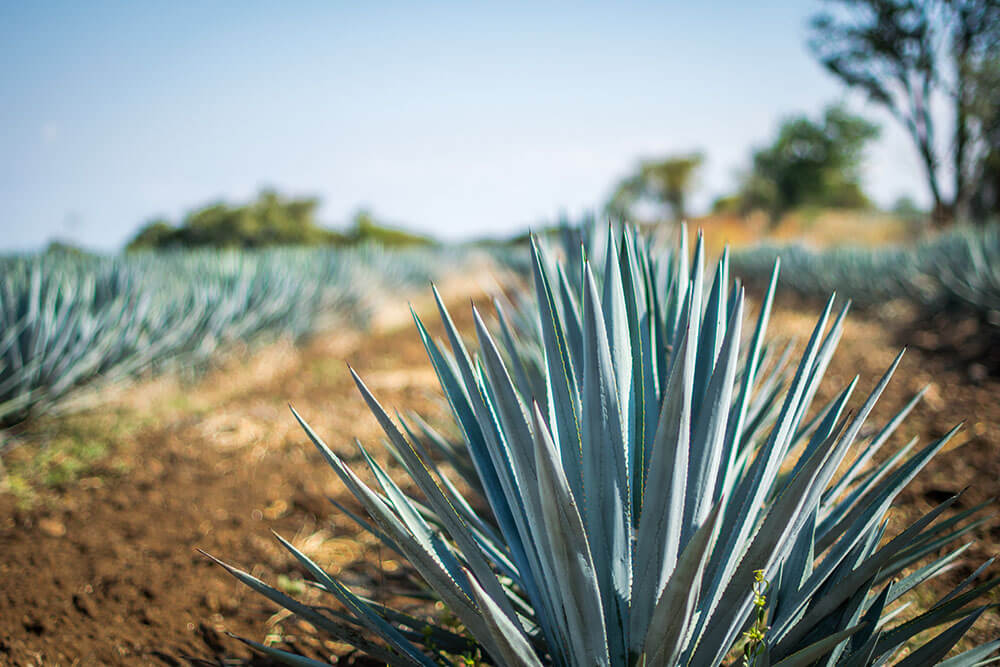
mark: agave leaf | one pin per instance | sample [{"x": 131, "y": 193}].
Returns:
[
  {"x": 677, "y": 292},
  {"x": 965, "y": 582},
  {"x": 514, "y": 355},
  {"x": 817, "y": 650},
  {"x": 462, "y": 506},
  {"x": 751, "y": 492},
  {"x": 619, "y": 337},
  {"x": 645, "y": 404},
  {"x": 710, "y": 429},
  {"x": 359, "y": 607},
  {"x": 794, "y": 571},
  {"x": 872, "y": 620},
  {"x": 337, "y": 630},
  {"x": 736, "y": 426},
  {"x": 973, "y": 656},
  {"x": 296, "y": 660},
  {"x": 426, "y": 562},
  {"x": 535, "y": 575},
  {"x": 508, "y": 636},
  {"x": 453, "y": 452},
  {"x": 453, "y": 523},
  {"x": 765, "y": 398},
  {"x": 826, "y": 425},
  {"x": 571, "y": 319},
  {"x": 444, "y": 639},
  {"x": 465, "y": 415},
  {"x": 607, "y": 496},
  {"x": 769, "y": 546},
  {"x": 658, "y": 541},
  {"x": 932, "y": 539},
  {"x": 517, "y": 434},
  {"x": 713, "y": 328},
  {"x": 883, "y": 494},
  {"x": 842, "y": 556},
  {"x": 834, "y": 515},
  {"x": 405, "y": 508},
  {"x": 675, "y": 608},
  {"x": 819, "y": 366},
  {"x": 865, "y": 457},
  {"x": 933, "y": 651},
  {"x": 887, "y": 642},
  {"x": 506, "y": 503},
  {"x": 511, "y": 412},
  {"x": 859, "y": 575},
  {"x": 368, "y": 527},
  {"x": 852, "y": 611},
  {"x": 415, "y": 516},
  {"x": 573, "y": 565},
  {"x": 562, "y": 384},
  {"x": 855, "y": 427}
]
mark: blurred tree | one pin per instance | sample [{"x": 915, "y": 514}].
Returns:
[
  {"x": 985, "y": 198},
  {"x": 810, "y": 164},
  {"x": 905, "y": 54},
  {"x": 59, "y": 247},
  {"x": 365, "y": 229},
  {"x": 726, "y": 204},
  {"x": 665, "y": 183},
  {"x": 269, "y": 220},
  {"x": 906, "y": 207},
  {"x": 157, "y": 233}
]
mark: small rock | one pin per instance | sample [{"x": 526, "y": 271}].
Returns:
[{"x": 52, "y": 527}]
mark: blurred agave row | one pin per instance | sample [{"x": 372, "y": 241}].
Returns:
[
  {"x": 647, "y": 486},
  {"x": 67, "y": 320},
  {"x": 957, "y": 271}
]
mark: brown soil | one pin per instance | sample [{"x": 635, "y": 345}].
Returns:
[{"x": 104, "y": 569}]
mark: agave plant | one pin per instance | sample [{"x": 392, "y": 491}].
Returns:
[
  {"x": 663, "y": 277},
  {"x": 632, "y": 520},
  {"x": 955, "y": 271},
  {"x": 848, "y": 271},
  {"x": 68, "y": 320},
  {"x": 966, "y": 267}
]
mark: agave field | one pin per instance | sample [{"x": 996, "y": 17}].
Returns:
[
  {"x": 622, "y": 458},
  {"x": 68, "y": 320},
  {"x": 955, "y": 272}
]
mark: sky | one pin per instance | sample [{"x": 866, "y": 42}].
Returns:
[{"x": 457, "y": 119}]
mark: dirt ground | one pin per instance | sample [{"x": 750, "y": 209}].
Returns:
[{"x": 99, "y": 565}]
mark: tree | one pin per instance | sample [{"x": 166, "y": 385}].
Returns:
[
  {"x": 665, "y": 183},
  {"x": 269, "y": 220},
  {"x": 907, "y": 209},
  {"x": 905, "y": 55},
  {"x": 810, "y": 164},
  {"x": 985, "y": 198},
  {"x": 156, "y": 233},
  {"x": 365, "y": 228}
]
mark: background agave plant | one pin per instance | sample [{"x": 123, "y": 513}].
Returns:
[
  {"x": 66, "y": 320},
  {"x": 951, "y": 271},
  {"x": 637, "y": 505}
]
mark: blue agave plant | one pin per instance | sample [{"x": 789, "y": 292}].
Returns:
[
  {"x": 641, "y": 499},
  {"x": 66, "y": 321}
]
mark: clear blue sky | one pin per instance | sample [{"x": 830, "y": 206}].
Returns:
[{"x": 453, "y": 118}]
